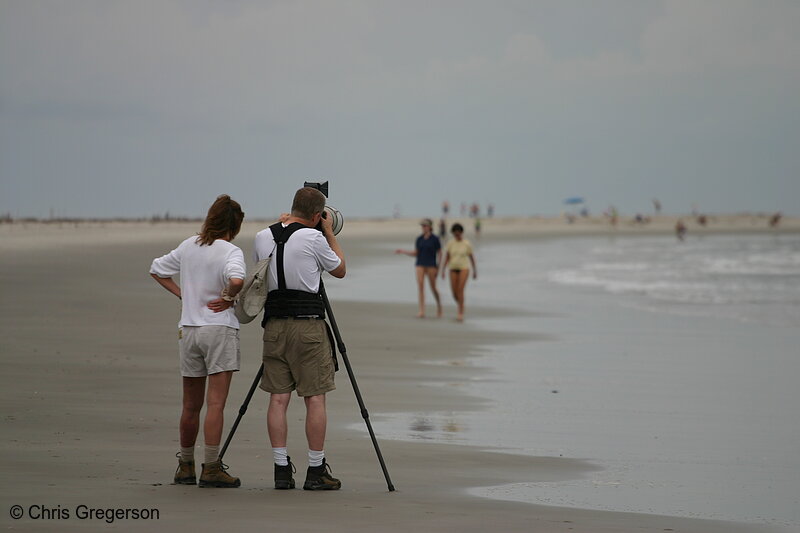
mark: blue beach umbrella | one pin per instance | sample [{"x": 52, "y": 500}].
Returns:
[{"x": 574, "y": 200}]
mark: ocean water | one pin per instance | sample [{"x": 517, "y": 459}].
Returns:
[
  {"x": 673, "y": 367},
  {"x": 752, "y": 278}
]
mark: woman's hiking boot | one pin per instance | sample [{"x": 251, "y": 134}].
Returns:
[
  {"x": 215, "y": 475},
  {"x": 185, "y": 475}
]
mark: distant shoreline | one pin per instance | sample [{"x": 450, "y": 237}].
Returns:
[
  {"x": 58, "y": 234},
  {"x": 34, "y": 232},
  {"x": 7, "y": 219}
]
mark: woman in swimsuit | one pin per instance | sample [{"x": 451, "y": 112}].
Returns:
[{"x": 459, "y": 256}]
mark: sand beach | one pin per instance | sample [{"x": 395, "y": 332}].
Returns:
[{"x": 91, "y": 397}]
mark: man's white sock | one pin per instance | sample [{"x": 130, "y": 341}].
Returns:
[
  {"x": 315, "y": 458},
  {"x": 280, "y": 456}
]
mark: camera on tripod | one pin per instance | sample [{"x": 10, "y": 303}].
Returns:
[{"x": 337, "y": 220}]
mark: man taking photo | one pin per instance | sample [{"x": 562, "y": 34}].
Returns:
[{"x": 297, "y": 346}]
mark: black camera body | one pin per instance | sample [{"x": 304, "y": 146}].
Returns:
[{"x": 337, "y": 220}]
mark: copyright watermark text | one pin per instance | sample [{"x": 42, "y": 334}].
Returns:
[{"x": 82, "y": 512}]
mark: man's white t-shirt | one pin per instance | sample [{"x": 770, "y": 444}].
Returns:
[
  {"x": 204, "y": 272},
  {"x": 305, "y": 256}
]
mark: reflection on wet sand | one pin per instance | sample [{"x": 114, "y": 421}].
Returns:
[{"x": 423, "y": 427}]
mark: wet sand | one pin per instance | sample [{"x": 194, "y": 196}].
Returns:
[{"x": 91, "y": 397}]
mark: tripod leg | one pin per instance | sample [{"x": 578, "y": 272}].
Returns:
[
  {"x": 364, "y": 413},
  {"x": 242, "y": 411}
]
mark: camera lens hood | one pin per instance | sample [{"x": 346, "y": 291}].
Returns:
[{"x": 337, "y": 220}]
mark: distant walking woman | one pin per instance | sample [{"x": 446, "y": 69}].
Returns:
[
  {"x": 459, "y": 257},
  {"x": 428, "y": 251},
  {"x": 212, "y": 272}
]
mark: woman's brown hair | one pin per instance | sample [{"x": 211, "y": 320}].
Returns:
[{"x": 224, "y": 220}]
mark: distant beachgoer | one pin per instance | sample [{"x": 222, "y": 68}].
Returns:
[
  {"x": 613, "y": 215},
  {"x": 459, "y": 257},
  {"x": 474, "y": 210},
  {"x": 680, "y": 230},
  {"x": 702, "y": 220},
  {"x": 442, "y": 228},
  {"x": 775, "y": 220},
  {"x": 490, "y": 210},
  {"x": 445, "y": 208},
  {"x": 428, "y": 251},
  {"x": 208, "y": 343},
  {"x": 477, "y": 226},
  {"x": 657, "y": 205}
]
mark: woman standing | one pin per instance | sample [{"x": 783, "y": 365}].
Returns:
[
  {"x": 459, "y": 257},
  {"x": 212, "y": 272},
  {"x": 428, "y": 251}
]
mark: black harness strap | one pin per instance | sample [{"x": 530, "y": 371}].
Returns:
[
  {"x": 283, "y": 302},
  {"x": 281, "y": 235}
]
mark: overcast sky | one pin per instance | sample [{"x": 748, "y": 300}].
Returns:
[{"x": 136, "y": 107}]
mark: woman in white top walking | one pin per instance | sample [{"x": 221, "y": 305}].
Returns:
[{"x": 212, "y": 272}]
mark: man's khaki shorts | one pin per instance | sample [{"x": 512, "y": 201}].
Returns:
[
  {"x": 297, "y": 355},
  {"x": 208, "y": 350}
]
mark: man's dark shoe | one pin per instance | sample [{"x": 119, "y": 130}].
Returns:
[
  {"x": 320, "y": 478},
  {"x": 283, "y": 476}
]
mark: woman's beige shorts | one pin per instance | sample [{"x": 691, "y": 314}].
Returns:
[
  {"x": 208, "y": 350},
  {"x": 297, "y": 355}
]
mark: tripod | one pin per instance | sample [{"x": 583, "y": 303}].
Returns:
[{"x": 343, "y": 351}]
